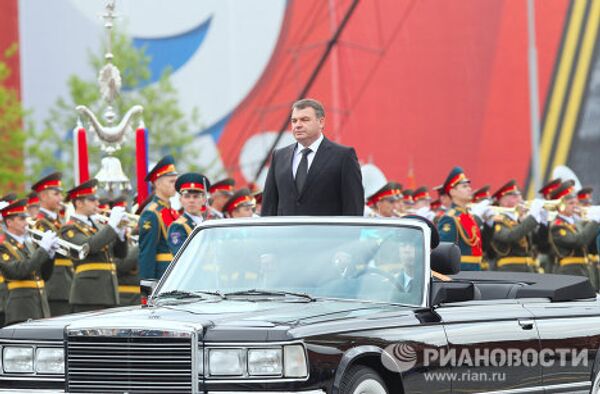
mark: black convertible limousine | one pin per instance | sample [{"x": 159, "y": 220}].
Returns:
[{"x": 320, "y": 305}]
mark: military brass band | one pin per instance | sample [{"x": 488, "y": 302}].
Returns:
[{"x": 87, "y": 253}]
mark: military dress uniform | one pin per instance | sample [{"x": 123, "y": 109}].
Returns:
[
  {"x": 128, "y": 276},
  {"x": 25, "y": 269},
  {"x": 461, "y": 228},
  {"x": 542, "y": 236},
  {"x": 569, "y": 240},
  {"x": 225, "y": 186},
  {"x": 511, "y": 240},
  {"x": 95, "y": 284},
  {"x": 58, "y": 286},
  {"x": 181, "y": 228},
  {"x": 155, "y": 255},
  {"x": 389, "y": 191}
]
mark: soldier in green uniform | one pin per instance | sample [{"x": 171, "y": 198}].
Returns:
[
  {"x": 240, "y": 205},
  {"x": 383, "y": 202},
  {"x": 95, "y": 281},
  {"x": 155, "y": 255},
  {"x": 569, "y": 240},
  {"x": 459, "y": 225},
  {"x": 192, "y": 187},
  {"x": 24, "y": 267},
  {"x": 219, "y": 193},
  {"x": 49, "y": 190},
  {"x": 584, "y": 196},
  {"x": 33, "y": 204},
  {"x": 542, "y": 236},
  {"x": 512, "y": 233}
]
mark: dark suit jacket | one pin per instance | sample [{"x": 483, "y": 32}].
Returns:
[{"x": 333, "y": 186}]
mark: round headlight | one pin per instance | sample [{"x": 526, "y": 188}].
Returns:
[
  {"x": 50, "y": 360},
  {"x": 17, "y": 359},
  {"x": 226, "y": 362},
  {"x": 264, "y": 362}
]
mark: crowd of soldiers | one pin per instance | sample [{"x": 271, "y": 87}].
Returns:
[
  {"x": 499, "y": 231},
  {"x": 88, "y": 253},
  {"x": 64, "y": 252}
]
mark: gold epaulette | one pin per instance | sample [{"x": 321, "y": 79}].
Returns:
[
  {"x": 152, "y": 206},
  {"x": 451, "y": 212},
  {"x": 180, "y": 220}
]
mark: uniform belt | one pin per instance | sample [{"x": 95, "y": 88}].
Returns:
[
  {"x": 25, "y": 284},
  {"x": 573, "y": 260},
  {"x": 515, "y": 260},
  {"x": 95, "y": 267},
  {"x": 129, "y": 289},
  {"x": 594, "y": 258},
  {"x": 63, "y": 263},
  {"x": 471, "y": 259},
  {"x": 163, "y": 257}
]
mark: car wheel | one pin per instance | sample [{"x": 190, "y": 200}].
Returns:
[{"x": 362, "y": 380}]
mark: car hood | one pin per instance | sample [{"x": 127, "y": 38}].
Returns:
[{"x": 223, "y": 319}]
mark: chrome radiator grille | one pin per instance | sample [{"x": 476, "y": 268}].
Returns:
[{"x": 129, "y": 364}]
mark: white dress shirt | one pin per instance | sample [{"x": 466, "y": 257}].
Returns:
[
  {"x": 84, "y": 219},
  {"x": 196, "y": 219},
  {"x": 310, "y": 157}
]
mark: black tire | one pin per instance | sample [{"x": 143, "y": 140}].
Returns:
[{"x": 362, "y": 380}]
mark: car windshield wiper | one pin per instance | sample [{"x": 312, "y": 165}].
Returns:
[
  {"x": 259, "y": 292},
  {"x": 180, "y": 294}
]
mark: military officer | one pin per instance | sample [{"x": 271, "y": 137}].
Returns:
[
  {"x": 569, "y": 240},
  {"x": 382, "y": 202},
  {"x": 95, "y": 281},
  {"x": 542, "y": 236},
  {"x": 33, "y": 204},
  {"x": 192, "y": 188},
  {"x": 155, "y": 219},
  {"x": 584, "y": 196},
  {"x": 444, "y": 203},
  {"x": 399, "y": 201},
  {"x": 49, "y": 190},
  {"x": 458, "y": 225},
  {"x": 512, "y": 234},
  {"x": 483, "y": 193},
  {"x": 219, "y": 192},
  {"x": 25, "y": 267},
  {"x": 240, "y": 205}
]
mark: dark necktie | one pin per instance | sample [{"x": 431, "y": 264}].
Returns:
[{"x": 302, "y": 170}]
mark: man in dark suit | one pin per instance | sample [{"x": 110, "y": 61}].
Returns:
[{"x": 314, "y": 176}]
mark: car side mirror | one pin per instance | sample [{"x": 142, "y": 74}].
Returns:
[{"x": 147, "y": 286}]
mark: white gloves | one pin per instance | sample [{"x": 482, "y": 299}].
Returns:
[
  {"x": 117, "y": 216},
  {"x": 536, "y": 210},
  {"x": 593, "y": 213},
  {"x": 426, "y": 212},
  {"x": 484, "y": 211},
  {"x": 49, "y": 242}
]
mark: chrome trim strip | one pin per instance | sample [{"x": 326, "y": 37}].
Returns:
[
  {"x": 30, "y": 378},
  {"x": 195, "y": 371},
  {"x": 564, "y": 386}
]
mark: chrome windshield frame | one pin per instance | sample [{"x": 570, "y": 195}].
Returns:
[{"x": 318, "y": 220}]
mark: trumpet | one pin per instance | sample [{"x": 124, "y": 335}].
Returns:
[
  {"x": 65, "y": 248},
  {"x": 131, "y": 222}
]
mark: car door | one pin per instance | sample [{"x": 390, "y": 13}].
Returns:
[
  {"x": 569, "y": 338},
  {"x": 489, "y": 341}
]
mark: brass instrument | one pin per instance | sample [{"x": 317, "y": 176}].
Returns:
[
  {"x": 131, "y": 222},
  {"x": 583, "y": 211},
  {"x": 65, "y": 248}
]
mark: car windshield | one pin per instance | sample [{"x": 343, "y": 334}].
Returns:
[{"x": 370, "y": 263}]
